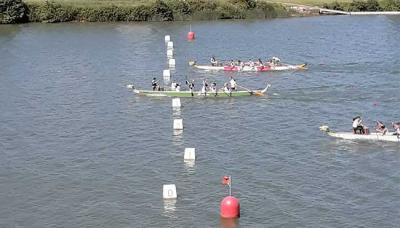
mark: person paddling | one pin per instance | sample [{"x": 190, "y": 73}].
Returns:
[
  {"x": 213, "y": 61},
  {"x": 357, "y": 125},
  {"x": 154, "y": 84},
  {"x": 214, "y": 88},
  {"x": 191, "y": 86},
  {"x": 177, "y": 87},
  {"x": 381, "y": 128},
  {"x": 232, "y": 84},
  {"x": 396, "y": 127},
  {"x": 204, "y": 89}
]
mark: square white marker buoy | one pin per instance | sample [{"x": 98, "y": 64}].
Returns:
[
  {"x": 170, "y": 53},
  {"x": 176, "y": 102},
  {"x": 178, "y": 124},
  {"x": 190, "y": 154},
  {"x": 170, "y": 45},
  {"x": 167, "y": 38},
  {"x": 167, "y": 73},
  {"x": 171, "y": 62},
  {"x": 169, "y": 191}
]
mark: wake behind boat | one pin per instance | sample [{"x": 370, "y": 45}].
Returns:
[
  {"x": 199, "y": 94},
  {"x": 374, "y": 136}
]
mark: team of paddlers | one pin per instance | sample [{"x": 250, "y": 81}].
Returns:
[
  {"x": 360, "y": 128},
  {"x": 274, "y": 61},
  {"x": 207, "y": 87}
]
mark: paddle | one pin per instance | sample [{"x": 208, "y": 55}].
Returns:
[{"x": 251, "y": 91}]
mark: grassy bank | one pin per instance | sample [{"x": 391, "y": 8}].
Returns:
[{"x": 150, "y": 10}]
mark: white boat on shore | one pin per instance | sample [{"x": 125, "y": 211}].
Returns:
[{"x": 374, "y": 136}]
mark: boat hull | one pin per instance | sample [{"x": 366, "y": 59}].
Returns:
[
  {"x": 150, "y": 93},
  {"x": 388, "y": 137}
]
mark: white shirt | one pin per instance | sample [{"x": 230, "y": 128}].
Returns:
[
  {"x": 233, "y": 83},
  {"x": 173, "y": 85},
  {"x": 356, "y": 122}
]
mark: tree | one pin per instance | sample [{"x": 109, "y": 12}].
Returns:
[{"x": 13, "y": 11}]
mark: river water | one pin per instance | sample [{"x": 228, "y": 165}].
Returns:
[{"x": 78, "y": 149}]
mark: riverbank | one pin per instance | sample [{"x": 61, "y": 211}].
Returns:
[
  {"x": 18, "y": 11},
  {"x": 140, "y": 10}
]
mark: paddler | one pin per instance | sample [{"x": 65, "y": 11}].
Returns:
[
  {"x": 358, "y": 126},
  {"x": 396, "y": 127},
  {"x": 213, "y": 61},
  {"x": 204, "y": 88},
  {"x": 381, "y": 128},
  {"x": 226, "y": 88},
  {"x": 177, "y": 87},
  {"x": 260, "y": 63},
  {"x": 191, "y": 86},
  {"x": 232, "y": 84},
  {"x": 154, "y": 84},
  {"x": 213, "y": 88}
]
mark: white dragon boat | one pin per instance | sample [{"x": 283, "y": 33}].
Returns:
[
  {"x": 374, "y": 136},
  {"x": 264, "y": 68}
]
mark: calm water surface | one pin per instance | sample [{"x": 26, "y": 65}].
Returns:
[{"x": 77, "y": 149}]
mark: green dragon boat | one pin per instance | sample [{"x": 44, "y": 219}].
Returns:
[{"x": 218, "y": 93}]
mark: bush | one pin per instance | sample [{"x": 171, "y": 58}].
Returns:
[
  {"x": 13, "y": 11},
  {"x": 52, "y": 12},
  {"x": 161, "y": 12},
  {"x": 390, "y": 5},
  {"x": 369, "y": 5}
]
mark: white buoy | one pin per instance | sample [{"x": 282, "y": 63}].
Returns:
[
  {"x": 169, "y": 191},
  {"x": 171, "y": 63},
  {"x": 170, "y": 45},
  {"x": 170, "y": 53},
  {"x": 190, "y": 154},
  {"x": 167, "y": 38},
  {"x": 178, "y": 124},
  {"x": 176, "y": 102},
  {"x": 166, "y": 73}
]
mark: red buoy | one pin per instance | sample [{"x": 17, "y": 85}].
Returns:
[
  {"x": 190, "y": 35},
  {"x": 230, "y": 207}
]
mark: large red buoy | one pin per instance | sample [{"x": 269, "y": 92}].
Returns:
[
  {"x": 190, "y": 35},
  {"x": 230, "y": 207}
]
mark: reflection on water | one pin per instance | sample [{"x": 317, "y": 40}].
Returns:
[
  {"x": 228, "y": 223},
  {"x": 170, "y": 208},
  {"x": 189, "y": 166}
]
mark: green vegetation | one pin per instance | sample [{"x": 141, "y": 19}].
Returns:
[
  {"x": 53, "y": 11},
  {"x": 13, "y": 11},
  {"x": 362, "y": 5}
]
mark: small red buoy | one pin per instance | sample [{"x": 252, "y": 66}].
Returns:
[
  {"x": 230, "y": 207},
  {"x": 190, "y": 35}
]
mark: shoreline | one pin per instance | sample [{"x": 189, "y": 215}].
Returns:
[
  {"x": 43, "y": 11},
  {"x": 156, "y": 10}
]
